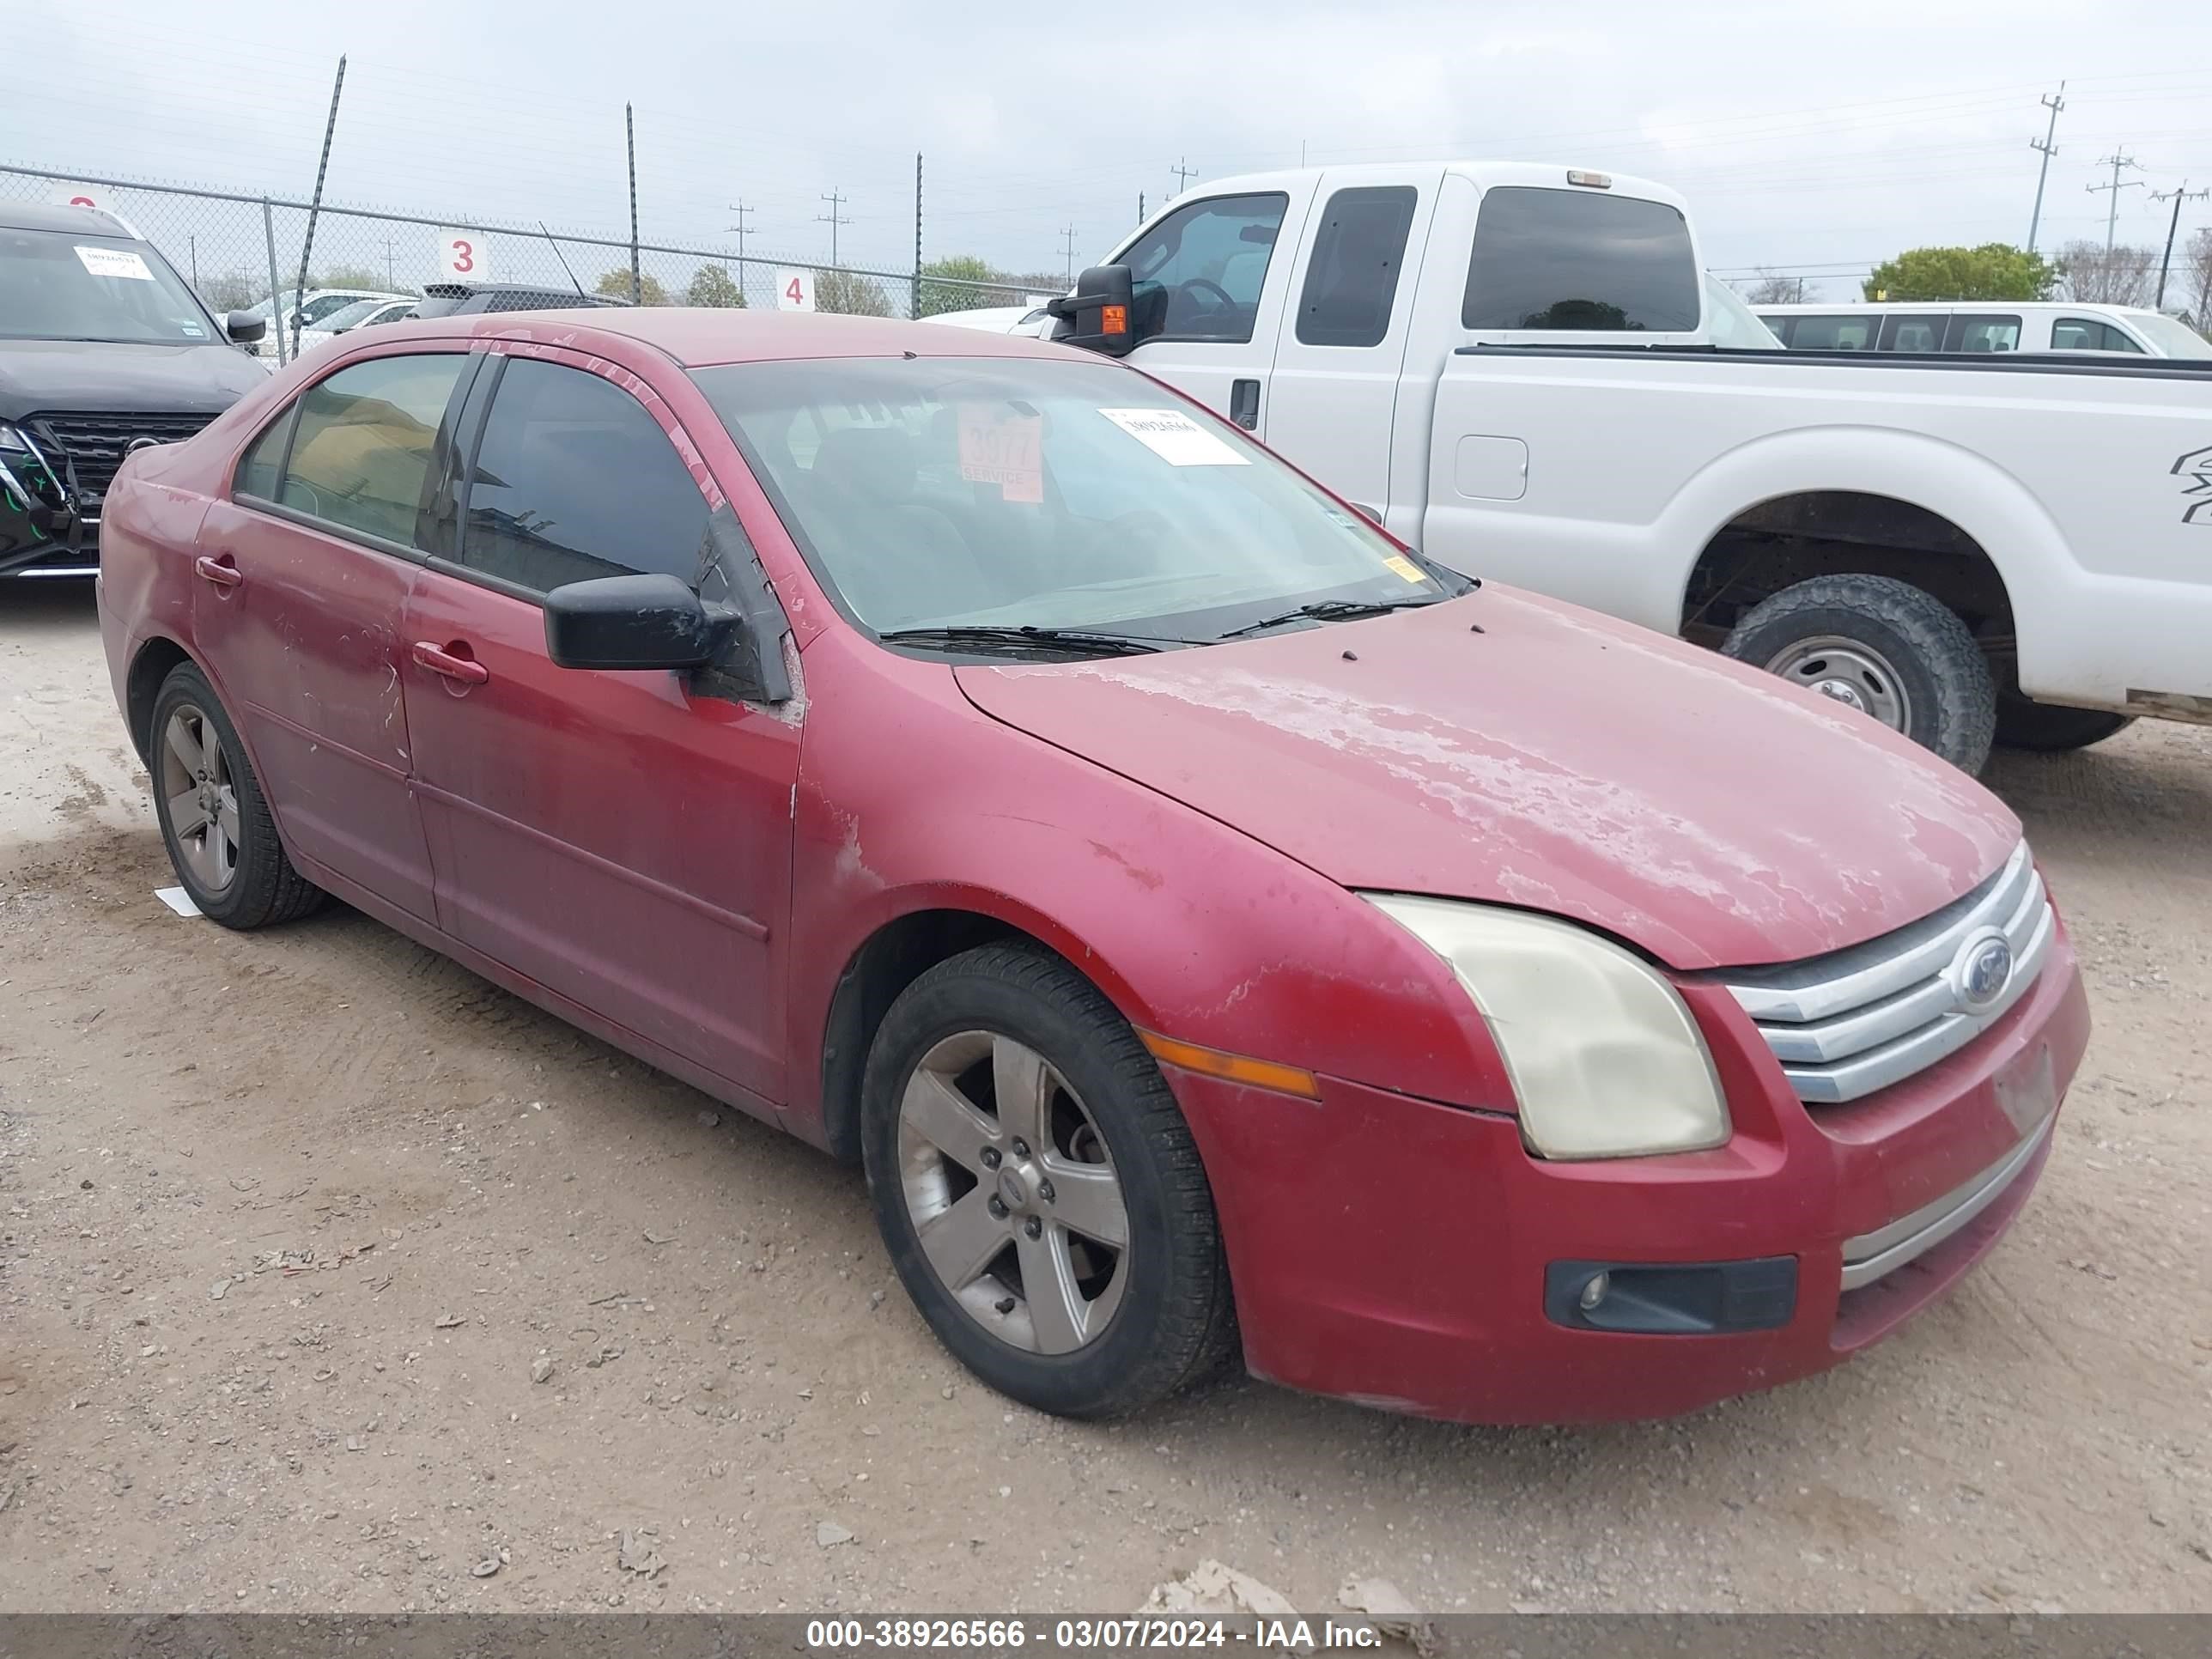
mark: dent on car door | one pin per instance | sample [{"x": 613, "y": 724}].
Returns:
[
  {"x": 301, "y": 579},
  {"x": 616, "y": 837}
]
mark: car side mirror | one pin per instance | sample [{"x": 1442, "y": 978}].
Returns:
[
  {"x": 244, "y": 328},
  {"x": 656, "y": 622},
  {"x": 1097, "y": 311}
]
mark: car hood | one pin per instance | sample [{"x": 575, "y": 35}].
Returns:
[
  {"x": 1507, "y": 748},
  {"x": 92, "y": 374}
]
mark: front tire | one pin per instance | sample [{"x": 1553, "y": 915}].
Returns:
[
  {"x": 1039, "y": 1192},
  {"x": 1884, "y": 648},
  {"x": 214, "y": 818},
  {"x": 2047, "y": 728}
]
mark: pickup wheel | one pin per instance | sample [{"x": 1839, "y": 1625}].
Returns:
[
  {"x": 1040, "y": 1195},
  {"x": 2048, "y": 729},
  {"x": 1884, "y": 648}
]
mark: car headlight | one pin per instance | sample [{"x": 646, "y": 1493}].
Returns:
[
  {"x": 1605, "y": 1059},
  {"x": 11, "y": 440}
]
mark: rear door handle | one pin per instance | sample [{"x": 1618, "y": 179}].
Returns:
[
  {"x": 439, "y": 660},
  {"x": 220, "y": 571},
  {"x": 1244, "y": 403}
]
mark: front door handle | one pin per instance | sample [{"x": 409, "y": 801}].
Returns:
[
  {"x": 220, "y": 571},
  {"x": 441, "y": 659},
  {"x": 1244, "y": 403}
]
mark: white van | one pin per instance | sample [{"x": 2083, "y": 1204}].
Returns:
[{"x": 1962, "y": 325}]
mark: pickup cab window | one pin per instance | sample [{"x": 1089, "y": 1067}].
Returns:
[
  {"x": 1914, "y": 330},
  {"x": 1851, "y": 332},
  {"x": 1351, "y": 279},
  {"x": 1984, "y": 334},
  {"x": 2087, "y": 334},
  {"x": 1574, "y": 259},
  {"x": 1198, "y": 273}
]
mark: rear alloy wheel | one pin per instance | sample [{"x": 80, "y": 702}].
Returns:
[
  {"x": 221, "y": 838},
  {"x": 1884, "y": 648},
  {"x": 1038, "y": 1189}
]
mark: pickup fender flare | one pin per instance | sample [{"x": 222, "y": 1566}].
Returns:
[{"x": 1997, "y": 510}]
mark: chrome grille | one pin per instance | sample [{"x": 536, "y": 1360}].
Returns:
[
  {"x": 1856, "y": 1020},
  {"x": 96, "y": 441}
]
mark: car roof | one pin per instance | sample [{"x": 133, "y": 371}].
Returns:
[
  {"x": 41, "y": 216},
  {"x": 698, "y": 337}
]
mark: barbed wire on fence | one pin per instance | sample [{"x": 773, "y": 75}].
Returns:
[{"x": 239, "y": 248}]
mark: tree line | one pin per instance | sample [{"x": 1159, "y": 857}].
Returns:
[{"x": 2083, "y": 272}]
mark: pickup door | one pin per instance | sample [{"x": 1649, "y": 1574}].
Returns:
[{"x": 1341, "y": 351}]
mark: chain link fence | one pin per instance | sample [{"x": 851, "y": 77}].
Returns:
[{"x": 236, "y": 249}]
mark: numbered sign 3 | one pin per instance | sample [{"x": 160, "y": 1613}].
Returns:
[
  {"x": 462, "y": 257},
  {"x": 794, "y": 290}
]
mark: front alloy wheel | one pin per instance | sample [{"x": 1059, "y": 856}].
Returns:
[
  {"x": 1038, "y": 1189},
  {"x": 202, "y": 800},
  {"x": 1007, "y": 1183}
]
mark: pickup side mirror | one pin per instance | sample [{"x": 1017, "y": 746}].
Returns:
[
  {"x": 1099, "y": 311},
  {"x": 244, "y": 327}
]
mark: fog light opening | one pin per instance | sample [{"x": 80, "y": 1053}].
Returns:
[{"x": 1593, "y": 1291}]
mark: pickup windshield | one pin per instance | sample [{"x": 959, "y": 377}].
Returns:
[
  {"x": 939, "y": 493},
  {"x": 58, "y": 285},
  {"x": 2171, "y": 335}
]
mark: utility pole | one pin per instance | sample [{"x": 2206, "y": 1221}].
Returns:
[
  {"x": 390, "y": 280},
  {"x": 2178, "y": 196},
  {"x": 741, "y": 211},
  {"x": 833, "y": 220},
  {"x": 1068, "y": 235},
  {"x": 2116, "y": 161},
  {"x": 1140, "y": 207},
  {"x": 2054, "y": 102},
  {"x": 1183, "y": 175}
]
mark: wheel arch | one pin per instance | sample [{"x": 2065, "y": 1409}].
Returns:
[
  {"x": 158, "y": 657},
  {"x": 1945, "y": 500},
  {"x": 899, "y": 947}
]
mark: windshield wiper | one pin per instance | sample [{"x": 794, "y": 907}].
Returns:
[
  {"x": 1333, "y": 611},
  {"x": 982, "y": 638}
]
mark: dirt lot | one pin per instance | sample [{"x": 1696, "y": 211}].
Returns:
[{"x": 287, "y": 1223}]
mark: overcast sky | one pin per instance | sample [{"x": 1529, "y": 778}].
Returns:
[{"x": 1814, "y": 140}]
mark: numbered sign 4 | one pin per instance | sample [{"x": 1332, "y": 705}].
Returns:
[
  {"x": 462, "y": 257},
  {"x": 794, "y": 290}
]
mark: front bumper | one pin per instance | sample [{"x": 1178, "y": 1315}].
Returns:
[{"x": 1395, "y": 1252}]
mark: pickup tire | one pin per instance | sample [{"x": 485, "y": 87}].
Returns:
[
  {"x": 1884, "y": 647},
  {"x": 2046, "y": 728}
]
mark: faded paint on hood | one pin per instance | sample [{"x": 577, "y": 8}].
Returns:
[{"x": 1559, "y": 760}]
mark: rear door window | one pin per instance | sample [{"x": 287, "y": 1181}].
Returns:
[
  {"x": 1351, "y": 279},
  {"x": 1971, "y": 333},
  {"x": 1914, "y": 330},
  {"x": 1851, "y": 331},
  {"x": 360, "y": 457},
  {"x": 574, "y": 479},
  {"x": 1578, "y": 259},
  {"x": 1197, "y": 274}
]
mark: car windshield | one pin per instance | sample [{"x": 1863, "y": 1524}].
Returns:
[
  {"x": 1730, "y": 323},
  {"x": 2170, "y": 335},
  {"x": 59, "y": 285},
  {"x": 1012, "y": 493},
  {"x": 351, "y": 316}
]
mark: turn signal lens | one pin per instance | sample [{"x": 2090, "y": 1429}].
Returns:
[
  {"x": 1234, "y": 1068},
  {"x": 1114, "y": 320}
]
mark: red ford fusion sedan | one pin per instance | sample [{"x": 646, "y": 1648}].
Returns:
[{"x": 1213, "y": 926}]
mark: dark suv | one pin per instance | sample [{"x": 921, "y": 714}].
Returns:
[
  {"x": 103, "y": 347},
  {"x": 451, "y": 299}
]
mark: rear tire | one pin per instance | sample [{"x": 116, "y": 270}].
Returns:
[
  {"x": 1885, "y": 648},
  {"x": 2045, "y": 728},
  {"x": 973, "y": 1055},
  {"x": 214, "y": 820}
]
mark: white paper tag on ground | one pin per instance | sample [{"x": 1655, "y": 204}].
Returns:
[
  {"x": 1175, "y": 437},
  {"x": 178, "y": 900},
  {"x": 115, "y": 261}
]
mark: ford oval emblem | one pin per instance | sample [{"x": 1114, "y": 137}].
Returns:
[{"x": 1982, "y": 970}]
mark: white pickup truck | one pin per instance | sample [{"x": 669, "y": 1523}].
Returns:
[{"x": 1514, "y": 368}]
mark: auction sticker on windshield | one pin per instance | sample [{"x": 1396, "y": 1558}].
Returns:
[
  {"x": 115, "y": 261},
  {"x": 1175, "y": 437},
  {"x": 1008, "y": 452}
]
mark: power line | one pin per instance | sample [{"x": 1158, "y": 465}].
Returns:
[
  {"x": 833, "y": 221},
  {"x": 741, "y": 209},
  {"x": 2054, "y": 103},
  {"x": 2116, "y": 161},
  {"x": 1068, "y": 235}
]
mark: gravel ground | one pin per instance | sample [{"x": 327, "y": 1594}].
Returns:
[{"x": 333, "y": 1279}]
